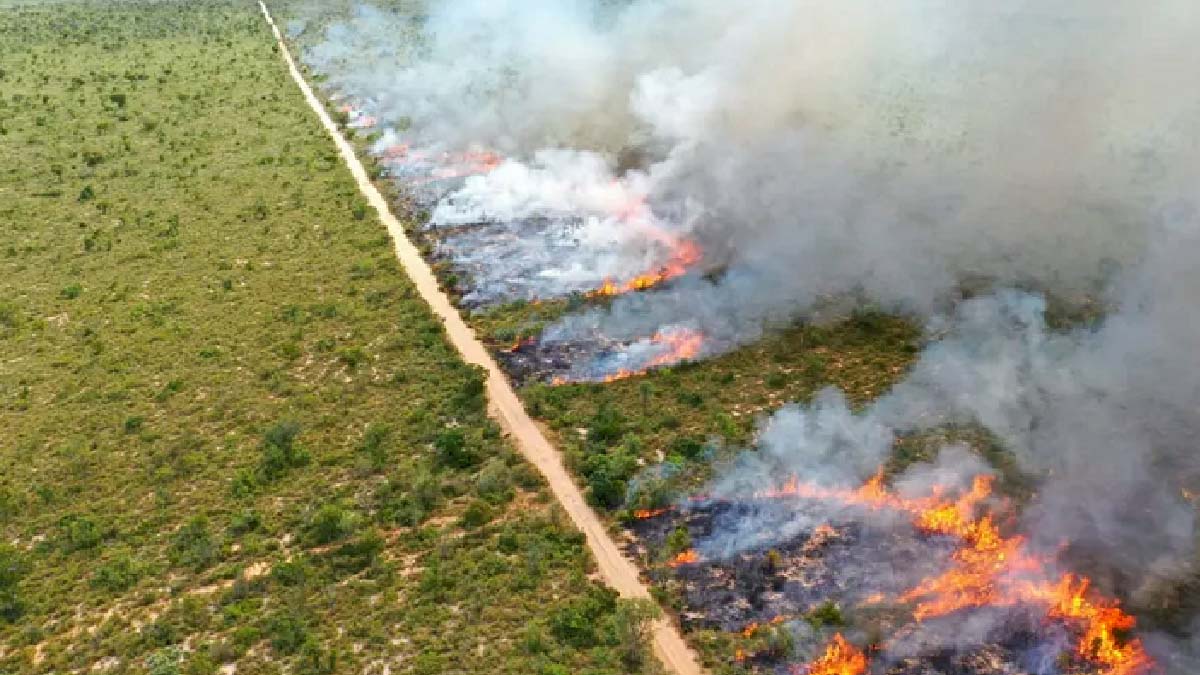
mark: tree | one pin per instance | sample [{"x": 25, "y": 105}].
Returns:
[
  {"x": 193, "y": 545},
  {"x": 630, "y": 627},
  {"x": 12, "y": 569}
]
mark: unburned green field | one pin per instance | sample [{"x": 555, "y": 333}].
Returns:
[{"x": 230, "y": 431}]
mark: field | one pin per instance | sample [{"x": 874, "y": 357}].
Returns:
[{"x": 233, "y": 434}]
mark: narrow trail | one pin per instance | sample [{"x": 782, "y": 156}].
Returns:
[{"x": 617, "y": 571}]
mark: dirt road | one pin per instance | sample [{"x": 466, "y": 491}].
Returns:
[{"x": 617, "y": 570}]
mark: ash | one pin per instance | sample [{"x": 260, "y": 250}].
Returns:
[{"x": 854, "y": 564}]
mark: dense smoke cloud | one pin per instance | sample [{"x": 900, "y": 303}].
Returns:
[
  {"x": 828, "y": 147},
  {"x": 892, "y": 152}
]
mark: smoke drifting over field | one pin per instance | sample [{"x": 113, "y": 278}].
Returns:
[{"x": 889, "y": 152}]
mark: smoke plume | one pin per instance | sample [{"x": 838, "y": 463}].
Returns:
[{"x": 896, "y": 153}]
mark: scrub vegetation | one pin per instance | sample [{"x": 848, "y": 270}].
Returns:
[{"x": 232, "y": 431}]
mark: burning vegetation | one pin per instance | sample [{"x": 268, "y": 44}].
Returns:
[{"x": 1034, "y": 612}]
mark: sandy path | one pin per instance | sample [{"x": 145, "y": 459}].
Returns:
[{"x": 617, "y": 570}]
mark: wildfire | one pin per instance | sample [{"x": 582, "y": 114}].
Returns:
[
  {"x": 840, "y": 658},
  {"x": 687, "y": 557},
  {"x": 989, "y": 569},
  {"x": 674, "y": 345},
  {"x": 752, "y": 627},
  {"x": 519, "y": 344},
  {"x": 684, "y": 254},
  {"x": 642, "y": 514}
]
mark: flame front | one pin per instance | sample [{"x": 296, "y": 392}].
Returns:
[
  {"x": 684, "y": 254},
  {"x": 990, "y": 569},
  {"x": 840, "y": 658},
  {"x": 685, "y": 558},
  {"x": 671, "y": 345}
]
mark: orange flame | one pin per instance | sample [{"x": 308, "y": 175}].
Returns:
[
  {"x": 682, "y": 344},
  {"x": 684, "y": 254},
  {"x": 840, "y": 658},
  {"x": 686, "y": 558},
  {"x": 642, "y": 514},
  {"x": 991, "y": 569},
  {"x": 516, "y": 346}
]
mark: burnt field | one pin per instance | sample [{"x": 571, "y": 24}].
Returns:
[{"x": 783, "y": 599}]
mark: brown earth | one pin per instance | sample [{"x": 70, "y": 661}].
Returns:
[{"x": 616, "y": 570}]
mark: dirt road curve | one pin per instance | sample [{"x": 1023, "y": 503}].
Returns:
[{"x": 617, "y": 570}]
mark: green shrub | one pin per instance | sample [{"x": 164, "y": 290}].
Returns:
[
  {"x": 280, "y": 452},
  {"x": 356, "y": 555},
  {"x": 607, "y": 475},
  {"x": 494, "y": 483},
  {"x": 291, "y": 572},
  {"x": 575, "y": 622},
  {"x": 606, "y": 426},
  {"x": 163, "y": 662},
  {"x": 12, "y": 569},
  {"x": 678, "y": 541},
  {"x": 687, "y": 446},
  {"x": 80, "y": 533},
  {"x": 287, "y": 633},
  {"x": 451, "y": 450},
  {"x": 70, "y": 292},
  {"x": 245, "y": 522},
  {"x": 117, "y": 575},
  {"x": 825, "y": 614},
  {"x": 409, "y": 498},
  {"x": 330, "y": 523},
  {"x": 630, "y": 628},
  {"x": 476, "y": 514},
  {"x": 375, "y": 447},
  {"x": 193, "y": 545}
]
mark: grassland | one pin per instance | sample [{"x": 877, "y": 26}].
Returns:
[{"x": 231, "y": 432}]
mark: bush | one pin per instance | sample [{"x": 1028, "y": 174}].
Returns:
[
  {"x": 678, "y": 541},
  {"x": 607, "y": 475},
  {"x": 630, "y": 629},
  {"x": 291, "y": 572},
  {"x": 450, "y": 448},
  {"x": 687, "y": 446},
  {"x": 329, "y": 524},
  {"x": 287, "y": 633},
  {"x": 163, "y": 662},
  {"x": 245, "y": 522},
  {"x": 80, "y": 533},
  {"x": 494, "y": 483},
  {"x": 355, "y": 556},
  {"x": 575, "y": 622},
  {"x": 606, "y": 426},
  {"x": 826, "y": 614},
  {"x": 117, "y": 575},
  {"x": 314, "y": 660},
  {"x": 12, "y": 569},
  {"x": 374, "y": 446},
  {"x": 477, "y": 513},
  {"x": 70, "y": 292},
  {"x": 409, "y": 498},
  {"x": 193, "y": 545},
  {"x": 280, "y": 453}
]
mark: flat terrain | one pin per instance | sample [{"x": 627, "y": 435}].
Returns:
[{"x": 233, "y": 433}]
